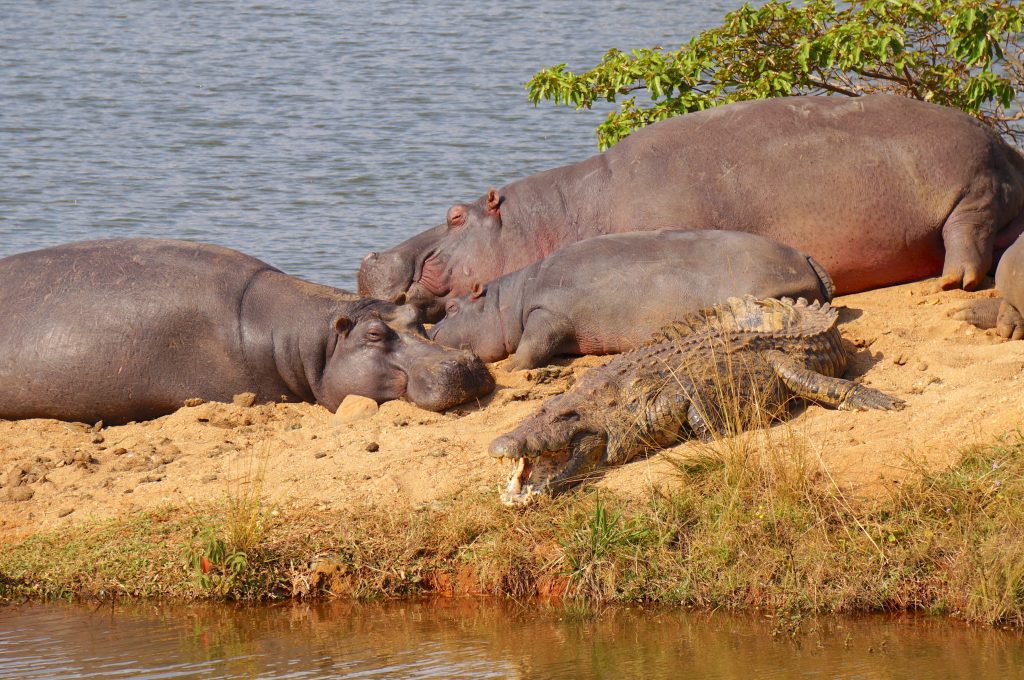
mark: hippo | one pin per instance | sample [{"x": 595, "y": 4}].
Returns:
[
  {"x": 123, "y": 330},
  {"x": 610, "y": 293},
  {"x": 879, "y": 189},
  {"x": 1005, "y": 314}
]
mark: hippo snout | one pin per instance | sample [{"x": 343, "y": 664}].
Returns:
[
  {"x": 385, "y": 276},
  {"x": 458, "y": 378}
]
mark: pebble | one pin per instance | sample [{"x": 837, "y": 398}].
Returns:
[
  {"x": 244, "y": 399},
  {"x": 64, "y": 512},
  {"x": 20, "y": 493},
  {"x": 373, "y": 447},
  {"x": 320, "y": 454},
  {"x": 195, "y": 401},
  {"x": 206, "y": 479},
  {"x": 354, "y": 408}
]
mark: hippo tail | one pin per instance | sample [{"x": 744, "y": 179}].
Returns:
[{"x": 828, "y": 288}]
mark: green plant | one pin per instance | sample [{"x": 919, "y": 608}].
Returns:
[
  {"x": 966, "y": 54},
  {"x": 592, "y": 549}
]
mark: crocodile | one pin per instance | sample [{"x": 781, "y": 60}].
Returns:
[{"x": 718, "y": 371}]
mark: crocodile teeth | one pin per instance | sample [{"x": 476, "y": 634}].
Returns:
[{"x": 515, "y": 482}]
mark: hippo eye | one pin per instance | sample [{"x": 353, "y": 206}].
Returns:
[
  {"x": 375, "y": 334},
  {"x": 451, "y": 308}
]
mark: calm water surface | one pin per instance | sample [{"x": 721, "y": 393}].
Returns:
[
  {"x": 307, "y": 133},
  {"x": 473, "y": 639}
]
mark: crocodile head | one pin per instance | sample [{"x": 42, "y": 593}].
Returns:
[{"x": 550, "y": 451}]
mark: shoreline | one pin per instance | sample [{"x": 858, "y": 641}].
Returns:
[
  {"x": 747, "y": 529},
  {"x": 918, "y": 510}
]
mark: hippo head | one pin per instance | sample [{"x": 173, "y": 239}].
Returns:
[
  {"x": 446, "y": 260},
  {"x": 550, "y": 452},
  {"x": 467, "y": 324},
  {"x": 383, "y": 355}
]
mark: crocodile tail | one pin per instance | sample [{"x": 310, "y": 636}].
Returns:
[{"x": 828, "y": 288}]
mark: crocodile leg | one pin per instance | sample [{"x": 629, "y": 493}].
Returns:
[{"x": 835, "y": 392}]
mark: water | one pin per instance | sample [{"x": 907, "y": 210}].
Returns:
[
  {"x": 306, "y": 134},
  {"x": 475, "y": 639}
]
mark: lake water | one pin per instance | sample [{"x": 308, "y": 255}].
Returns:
[
  {"x": 474, "y": 639},
  {"x": 306, "y": 134}
]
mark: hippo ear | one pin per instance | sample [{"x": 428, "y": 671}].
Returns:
[
  {"x": 343, "y": 325},
  {"x": 477, "y": 292},
  {"x": 456, "y": 216},
  {"x": 493, "y": 201}
]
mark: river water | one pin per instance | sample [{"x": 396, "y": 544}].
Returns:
[
  {"x": 306, "y": 134},
  {"x": 474, "y": 639}
]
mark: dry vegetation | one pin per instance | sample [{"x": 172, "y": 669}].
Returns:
[{"x": 758, "y": 522}]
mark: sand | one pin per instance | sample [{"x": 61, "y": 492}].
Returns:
[{"x": 963, "y": 386}]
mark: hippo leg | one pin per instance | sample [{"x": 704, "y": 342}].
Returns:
[
  {"x": 544, "y": 335},
  {"x": 969, "y": 238},
  {"x": 1010, "y": 323}
]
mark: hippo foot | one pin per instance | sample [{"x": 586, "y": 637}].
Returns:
[
  {"x": 1010, "y": 323},
  {"x": 967, "y": 277}
]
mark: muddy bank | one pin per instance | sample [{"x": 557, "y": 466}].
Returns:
[{"x": 962, "y": 386}]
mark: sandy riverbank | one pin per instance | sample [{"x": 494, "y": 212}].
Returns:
[{"x": 962, "y": 386}]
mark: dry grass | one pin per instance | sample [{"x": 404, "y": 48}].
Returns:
[{"x": 751, "y": 525}]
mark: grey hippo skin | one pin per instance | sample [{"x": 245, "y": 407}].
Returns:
[
  {"x": 123, "y": 330},
  {"x": 1006, "y": 315},
  {"x": 878, "y": 189},
  {"x": 611, "y": 293},
  {"x": 1010, "y": 283}
]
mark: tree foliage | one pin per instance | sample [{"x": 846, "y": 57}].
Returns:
[{"x": 965, "y": 54}]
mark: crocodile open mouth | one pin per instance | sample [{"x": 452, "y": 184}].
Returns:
[{"x": 533, "y": 477}]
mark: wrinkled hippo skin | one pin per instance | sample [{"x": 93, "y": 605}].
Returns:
[
  {"x": 122, "y": 330},
  {"x": 610, "y": 293},
  {"x": 878, "y": 189},
  {"x": 1010, "y": 283}
]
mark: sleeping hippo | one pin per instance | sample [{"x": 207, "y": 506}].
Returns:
[
  {"x": 123, "y": 330},
  {"x": 610, "y": 293},
  {"x": 878, "y": 189},
  {"x": 1005, "y": 314}
]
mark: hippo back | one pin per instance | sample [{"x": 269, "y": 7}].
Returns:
[{"x": 94, "y": 327}]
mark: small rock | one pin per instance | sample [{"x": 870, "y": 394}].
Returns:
[
  {"x": 119, "y": 451},
  {"x": 195, "y": 401},
  {"x": 902, "y": 359},
  {"x": 320, "y": 454},
  {"x": 922, "y": 366},
  {"x": 438, "y": 454},
  {"x": 206, "y": 479},
  {"x": 20, "y": 493},
  {"x": 152, "y": 479},
  {"x": 355, "y": 408},
  {"x": 64, "y": 512},
  {"x": 97, "y": 426},
  {"x": 244, "y": 399},
  {"x": 97, "y": 439},
  {"x": 373, "y": 447}
]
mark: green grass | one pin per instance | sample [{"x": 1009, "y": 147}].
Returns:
[{"x": 755, "y": 522}]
